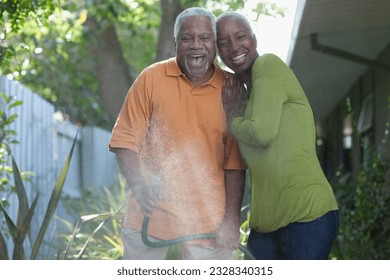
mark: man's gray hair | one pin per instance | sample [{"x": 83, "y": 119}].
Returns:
[{"x": 196, "y": 11}]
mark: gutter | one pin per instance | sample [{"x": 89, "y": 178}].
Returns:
[{"x": 315, "y": 46}]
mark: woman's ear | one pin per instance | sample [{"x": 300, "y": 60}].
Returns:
[{"x": 255, "y": 39}]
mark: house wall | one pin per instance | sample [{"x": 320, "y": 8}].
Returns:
[
  {"x": 336, "y": 159},
  {"x": 382, "y": 103}
]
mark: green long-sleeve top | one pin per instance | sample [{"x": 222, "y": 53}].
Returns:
[{"x": 277, "y": 138}]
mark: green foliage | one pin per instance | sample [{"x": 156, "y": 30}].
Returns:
[
  {"x": 365, "y": 213},
  {"x": 50, "y": 57},
  {"x": 266, "y": 8},
  {"x": 15, "y": 12},
  {"x": 21, "y": 229},
  {"x": 95, "y": 236},
  {"x": 13, "y": 15},
  {"x": 7, "y": 138},
  {"x": 6, "y": 53},
  {"x": 109, "y": 246},
  {"x": 55, "y": 61},
  {"x": 269, "y": 9}
]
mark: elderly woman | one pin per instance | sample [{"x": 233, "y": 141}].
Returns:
[{"x": 293, "y": 209}]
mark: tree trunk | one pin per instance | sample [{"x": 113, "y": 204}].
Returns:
[
  {"x": 113, "y": 73},
  {"x": 111, "y": 69},
  {"x": 170, "y": 9}
]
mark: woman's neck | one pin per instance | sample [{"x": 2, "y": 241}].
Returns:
[{"x": 245, "y": 77}]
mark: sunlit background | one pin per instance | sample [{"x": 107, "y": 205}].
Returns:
[{"x": 274, "y": 33}]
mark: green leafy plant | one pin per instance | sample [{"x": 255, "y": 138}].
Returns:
[
  {"x": 364, "y": 206},
  {"x": 13, "y": 16},
  {"x": 22, "y": 227},
  {"x": 7, "y": 138},
  {"x": 110, "y": 237},
  {"x": 96, "y": 235}
]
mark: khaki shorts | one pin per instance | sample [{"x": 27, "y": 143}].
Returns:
[{"x": 135, "y": 249}]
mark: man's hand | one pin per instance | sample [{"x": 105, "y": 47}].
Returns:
[
  {"x": 228, "y": 235},
  {"x": 146, "y": 199},
  {"x": 228, "y": 232},
  {"x": 130, "y": 166}
]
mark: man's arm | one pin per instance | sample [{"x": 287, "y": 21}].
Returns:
[
  {"x": 228, "y": 234},
  {"x": 130, "y": 167}
]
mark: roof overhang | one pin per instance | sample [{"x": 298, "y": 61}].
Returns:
[{"x": 333, "y": 44}]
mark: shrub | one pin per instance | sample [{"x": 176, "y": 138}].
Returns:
[
  {"x": 7, "y": 137},
  {"x": 21, "y": 229},
  {"x": 96, "y": 235},
  {"x": 364, "y": 206}
]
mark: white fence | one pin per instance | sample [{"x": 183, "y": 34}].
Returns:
[{"x": 44, "y": 144}]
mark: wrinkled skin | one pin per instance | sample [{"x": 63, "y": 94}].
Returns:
[{"x": 195, "y": 49}]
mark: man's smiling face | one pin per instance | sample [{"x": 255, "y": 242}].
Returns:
[{"x": 195, "y": 48}]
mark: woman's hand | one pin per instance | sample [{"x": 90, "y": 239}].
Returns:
[{"x": 234, "y": 97}]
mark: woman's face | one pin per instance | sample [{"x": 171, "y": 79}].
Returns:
[{"x": 236, "y": 44}]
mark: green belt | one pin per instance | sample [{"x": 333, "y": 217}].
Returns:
[{"x": 165, "y": 243}]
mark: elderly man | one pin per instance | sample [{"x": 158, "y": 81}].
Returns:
[{"x": 173, "y": 147}]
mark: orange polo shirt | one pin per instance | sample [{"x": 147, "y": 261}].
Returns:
[{"x": 182, "y": 138}]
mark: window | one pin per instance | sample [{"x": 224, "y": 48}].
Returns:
[
  {"x": 366, "y": 115},
  {"x": 365, "y": 127}
]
